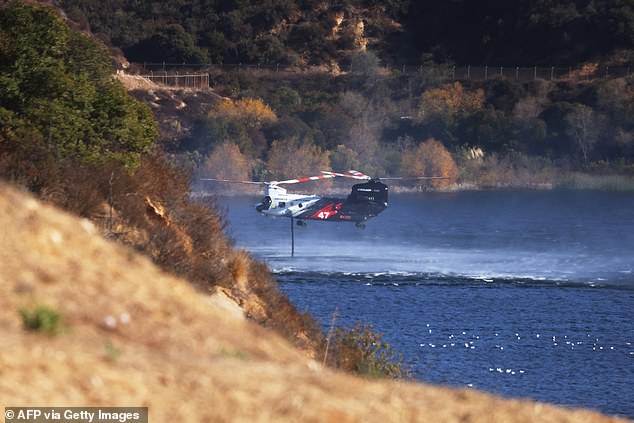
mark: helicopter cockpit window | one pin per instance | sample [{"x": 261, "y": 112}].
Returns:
[{"x": 282, "y": 204}]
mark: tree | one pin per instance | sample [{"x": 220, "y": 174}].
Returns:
[
  {"x": 289, "y": 159},
  {"x": 452, "y": 113},
  {"x": 170, "y": 44},
  {"x": 369, "y": 120},
  {"x": 343, "y": 158},
  {"x": 431, "y": 159},
  {"x": 582, "y": 126},
  {"x": 240, "y": 121},
  {"x": 252, "y": 112},
  {"x": 226, "y": 162},
  {"x": 59, "y": 82},
  {"x": 449, "y": 100}
]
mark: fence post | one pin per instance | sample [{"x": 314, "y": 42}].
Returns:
[
  {"x": 517, "y": 73},
  {"x": 277, "y": 68},
  {"x": 552, "y": 72},
  {"x": 606, "y": 72},
  {"x": 535, "y": 73},
  {"x": 486, "y": 72},
  {"x": 468, "y": 72},
  {"x": 453, "y": 72},
  {"x": 502, "y": 71}
]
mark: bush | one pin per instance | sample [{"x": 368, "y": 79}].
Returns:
[
  {"x": 41, "y": 318},
  {"x": 431, "y": 159},
  {"x": 361, "y": 350}
]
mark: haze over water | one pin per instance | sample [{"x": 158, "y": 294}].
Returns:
[{"x": 521, "y": 293}]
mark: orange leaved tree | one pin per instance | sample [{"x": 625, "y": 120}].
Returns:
[
  {"x": 289, "y": 159},
  {"x": 226, "y": 162},
  {"x": 252, "y": 112},
  {"x": 449, "y": 100},
  {"x": 430, "y": 158}
]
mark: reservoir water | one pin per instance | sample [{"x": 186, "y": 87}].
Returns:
[{"x": 520, "y": 293}]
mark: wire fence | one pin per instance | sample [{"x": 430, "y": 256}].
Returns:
[
  {"x": 175, "y": 79},
  {"x": 197, "y": 76},
  {"x": 552, "y": 73}
]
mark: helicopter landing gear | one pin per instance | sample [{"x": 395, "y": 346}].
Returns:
[
  {"x": 360, "y": 225},
  {"x": 301, "y": 223}
]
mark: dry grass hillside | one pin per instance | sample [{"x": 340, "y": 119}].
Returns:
[{"x": 135, "y": 336}]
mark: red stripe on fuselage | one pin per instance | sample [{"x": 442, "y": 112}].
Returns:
[{"x": 327, "y": 212}]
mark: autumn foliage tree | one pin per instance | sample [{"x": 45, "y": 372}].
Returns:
[
  {"x": 226, "y": 162},
  {"x": 449, "y": 100},
  {"x": 431, "y": 158},
  {"x": 252, "y": 112},
  {"x": 289, "y": 159},
  {"x": 240, "y": 121}
]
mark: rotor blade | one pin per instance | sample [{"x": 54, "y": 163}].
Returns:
[
  {"x": 306, "y": 179},
  {"x": 358, "y": 174},
  {"x": 234, "y": 181},
  {"x": 345, "y": 175},
  {"x": 401, "y": 178}
]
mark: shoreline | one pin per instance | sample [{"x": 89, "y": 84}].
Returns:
[{"x": 575, "y": 183}]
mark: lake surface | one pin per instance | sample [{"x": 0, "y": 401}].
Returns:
[{"x": 519, "y": 293}]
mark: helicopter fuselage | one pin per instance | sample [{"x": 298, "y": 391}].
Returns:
[{"x": 366, "y": 201}]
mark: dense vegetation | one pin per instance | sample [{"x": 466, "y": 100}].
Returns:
[
  {"x": 57, "y": 93},
  {"x": 497, "y": 132},
  {"x": 486, "y": 32},
  {"x": 519, "y": 33}
]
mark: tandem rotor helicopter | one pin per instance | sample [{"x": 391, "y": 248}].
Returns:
[{"x": 365, "y": 201}]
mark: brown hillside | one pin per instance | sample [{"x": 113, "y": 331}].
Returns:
[{"x": 135, "y": 336}]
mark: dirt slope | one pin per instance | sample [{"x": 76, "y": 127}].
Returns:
[{"x": 138, "y": 337}]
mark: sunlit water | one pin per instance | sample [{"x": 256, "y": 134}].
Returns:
[{"x": 520, "y": 293}]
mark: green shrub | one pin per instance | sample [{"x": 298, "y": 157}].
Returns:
[
  {"x": 112, "y": 352},
  {"x": 41, "y": 318},
  {"x": 361, "y": 350}
]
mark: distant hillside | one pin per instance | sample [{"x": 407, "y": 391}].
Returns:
[
  {"x": 319, "y": 32},
  {"x": 521, "y": 32}
]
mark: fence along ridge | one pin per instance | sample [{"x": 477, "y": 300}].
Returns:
[
  {"x": 171, "y": 74},
  {"x": 179, "y": 80}
]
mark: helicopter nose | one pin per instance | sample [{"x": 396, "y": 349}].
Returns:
[{"x": 264, "y": 204}]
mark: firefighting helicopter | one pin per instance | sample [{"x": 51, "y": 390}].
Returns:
[{"x": 366, "y": 200}]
